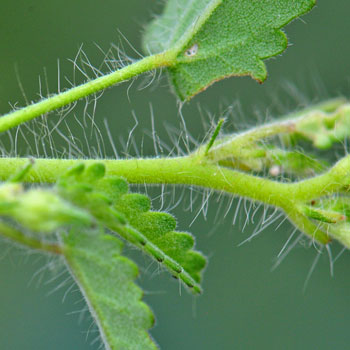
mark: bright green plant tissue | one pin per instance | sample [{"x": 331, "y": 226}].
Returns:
[{"x": 215, "y": 39}]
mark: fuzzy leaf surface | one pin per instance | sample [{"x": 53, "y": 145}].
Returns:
[
  {"x": 106, "y": 279},
  {"x": 108, "y": 200},
  {"x": 215, "y": 39}
]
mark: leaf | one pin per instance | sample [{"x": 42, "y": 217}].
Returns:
[
  {"x": 106, "y": 278},
  {"x": 214, "y": 39},
  {"x": 159, "y": 229},
  {"x": 108, "y": 200}
]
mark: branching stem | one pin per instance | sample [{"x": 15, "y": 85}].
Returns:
[
  {"x": 234, "y": 145},
  {"x": 197, "y": 171},
  {"x": 202, "y": 168}
]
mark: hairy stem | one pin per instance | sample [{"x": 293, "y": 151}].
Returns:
[
  {"x": 191, "y": 170},
  {"x": 187, "y": 170},
  {"x": 233, "y": 146},
  {"x": 337, "y": 178},
  {"x": 197, "y": 171},
  {"x": 51, "y": 103}
]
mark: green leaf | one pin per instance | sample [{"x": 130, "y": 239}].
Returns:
[
  {"x": 159, "y": 228},
  {"x": 214, "y": 39},
  {"x": 106, "y": 278},
  {"x": 108, "y": 200}
]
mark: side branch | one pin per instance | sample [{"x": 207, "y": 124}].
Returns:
[
  {"x": 234, "y": 145},
  {"x": 51, "y": 103},
  {"x": 197, "y": 171}
]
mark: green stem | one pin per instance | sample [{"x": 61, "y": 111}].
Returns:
[
  {"x": 337, "y": 178},
  {"x": 17, "y": 236},
  {"x": 193, "y": 170},
  {"x": 51, "y": 103},
  {"x": 187, "y": 170},
  {"x": 304, "y": 224},
  {"x": 234, "y": 146}
]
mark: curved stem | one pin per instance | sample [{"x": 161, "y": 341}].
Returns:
[
  {"x": 197, "y": 171},
  {"x": 304, "y": 224},
  {"x": 51, "y": 103},
  {"x": 191, "y": 170},
  {"x": 187, "y": 170},
  {"x": 325, "y": 184},
  {"x": 234, "y": 146}
]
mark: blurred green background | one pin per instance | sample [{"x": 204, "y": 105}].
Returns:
[{"x": 245, "y": 304}]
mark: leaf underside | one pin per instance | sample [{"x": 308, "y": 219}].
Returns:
[
  {"x": 215, "y": 39},
  {"x": 90, "y": 203},
  {"x": 94, "y": 258},
  {"x": 108, "y": 200},
  {"x": 106, "y": 279}
]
